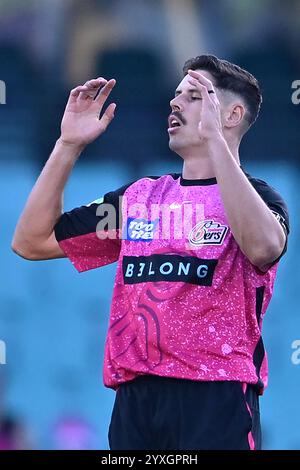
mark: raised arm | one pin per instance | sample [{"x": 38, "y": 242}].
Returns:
[
  {"x": 34, "y": 237},
  {"x": 259, "y": 234}
]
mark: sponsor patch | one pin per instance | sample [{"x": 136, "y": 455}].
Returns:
[
  {"x": 208, "y": 232},
  {"x": 171, "y": 268},
  {"x": 140, "y": 229}
]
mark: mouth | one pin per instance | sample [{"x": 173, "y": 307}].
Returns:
[{"x": 174, "y": 124}]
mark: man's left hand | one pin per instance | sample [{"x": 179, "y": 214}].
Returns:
[{"x": 210, "y": 125}]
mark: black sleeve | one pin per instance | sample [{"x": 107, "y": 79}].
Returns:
[
  {"x": 275, "y": 202},
  {"x": 90, "y": 235}
]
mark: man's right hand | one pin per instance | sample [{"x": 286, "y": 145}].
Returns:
[
  {"x": 34, "y": 236},
  {"x": 81, "y": 122}
]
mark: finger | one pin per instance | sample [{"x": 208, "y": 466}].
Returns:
[
  {"x": 107, "y": 116},
  {"x": 203, "y": 90},
  {"x": 92, "y": 87},
  {"x": 95, "y": 82},
  {"x": 74, "y": 93},
  {"x": 91, "y": 90},
  {"x": 202, "y": 79},
  {"x": 98, "y": 90},
  {"x": 105, "y": 92},
  {"x": 208, "y": 83}
]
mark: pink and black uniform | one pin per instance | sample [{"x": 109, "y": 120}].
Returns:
[{"x": 187, "y": 303}]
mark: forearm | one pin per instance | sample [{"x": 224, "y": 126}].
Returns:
[
  {"x": 256, "y": 230},
  {"x": 44, "y": 205}
]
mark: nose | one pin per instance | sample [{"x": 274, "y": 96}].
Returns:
[{"x": 175, "y": 104}]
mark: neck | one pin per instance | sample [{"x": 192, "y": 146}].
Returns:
[{"x": 198, "y": 165}]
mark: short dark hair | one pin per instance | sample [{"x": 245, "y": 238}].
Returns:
[{"x": 233, "y": 78}]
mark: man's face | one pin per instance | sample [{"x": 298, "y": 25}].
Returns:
[{"x": 185, "y": 116}]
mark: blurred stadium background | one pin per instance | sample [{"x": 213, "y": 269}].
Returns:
[{"x": 53, "y": 320}]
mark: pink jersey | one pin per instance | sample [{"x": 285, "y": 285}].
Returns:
[{"x": 187, "y": 303}]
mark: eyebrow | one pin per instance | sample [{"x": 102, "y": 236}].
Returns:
[{"x": 190, "y": 90}]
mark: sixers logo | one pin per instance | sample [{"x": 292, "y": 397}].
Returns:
[{"x": 208, "y": 232}]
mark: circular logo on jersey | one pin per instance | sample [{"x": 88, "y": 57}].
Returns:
[{"x": 208, "y": 232}]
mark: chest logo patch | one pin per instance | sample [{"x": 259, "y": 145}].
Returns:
[
  {"x": 208, "y": 232},
  {"x": 140, "y": 229}
]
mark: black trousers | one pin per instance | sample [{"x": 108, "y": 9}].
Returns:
[{"x": 159, "y": 413}]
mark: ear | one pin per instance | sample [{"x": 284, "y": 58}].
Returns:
[{"x": 233, "y": 115}]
